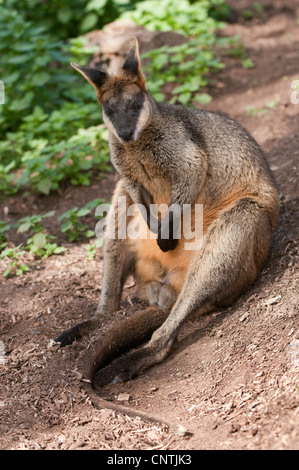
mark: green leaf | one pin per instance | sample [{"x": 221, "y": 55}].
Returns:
[
  {"x": 88, "y": 22},
  {"x": 98, "y": 243},
  {"x": 85, "y": 164},
  {"x": 82, "y": 212},
  {"x": 64, "y": 15},
  {"x": 89, "y": 233},
  {"x": 23, "y": 103},
  {"x": 95, "y": 5},
  {"x": 203, "y": 98},
  {"x": 23, "y": 268},
  {"x": 247, "y": 63},
  {"x": 11, "y": 78},
  {"x": 49, "y": 214},
  {"x": 39, "y": 240},
  {"x": 40, "y": 78},
  {"x": 184, "y": 98},
  {"x": 44, "y": 186},
  {"x": 58, "y": 250},
  {"x": 24, "y": 227},
  {"x": 66, "y": 226},
  {"x": 20, "y": 59}
]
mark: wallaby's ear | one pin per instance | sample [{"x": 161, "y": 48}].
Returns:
[
  {"x": 95, "y": 77},
  {"x": 132, "y": 65}
]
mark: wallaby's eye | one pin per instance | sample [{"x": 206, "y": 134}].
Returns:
[
  {"x": 136, "y": 105},
  {"x": 108, "y": 110}
]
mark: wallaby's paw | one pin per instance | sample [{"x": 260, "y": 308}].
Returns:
[{"x": 76, "y": 332}]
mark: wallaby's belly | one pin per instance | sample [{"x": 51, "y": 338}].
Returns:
[{"x": 153, "y": 265}]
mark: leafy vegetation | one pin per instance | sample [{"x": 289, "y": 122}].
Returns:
[
  {"x": 251, "y": 111},
  {"x": 51, "y": 129},
  {"x": 46, "y": 131},
  {"x": 41, "y": 244},
  {"x": 72, "y": 224},
  {"x": 186, "y": 65}
]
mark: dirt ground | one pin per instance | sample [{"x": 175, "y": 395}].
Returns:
[{"x": 232, "y": 382}]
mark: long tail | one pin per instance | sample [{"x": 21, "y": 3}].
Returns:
[
  {"x": 125, "y": 335},
  {"x": 121, "y": 338}
]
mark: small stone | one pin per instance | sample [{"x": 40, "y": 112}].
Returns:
[{"x": 124, "y": 397}]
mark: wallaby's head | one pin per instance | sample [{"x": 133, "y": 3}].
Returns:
[{"x": 127, "y": 106}]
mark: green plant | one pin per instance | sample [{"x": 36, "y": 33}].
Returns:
[
  {"x": 69, "y": 18},
  {"x": 247, "y": 63},
  {"x": 73, "y": 227},
  {"x": 186, "y": 65},
  {"x": 41, "y": 247},
  {"x": 251, "y": 111},
  {"x": 47, "y": 164},
  {"x": 44, "y": 117},
  {"x": 254, "y": 12},
  {"x": 17, "y": 264},
  {"x": 183, "y": 16},
  {"x": 4, "y": 228},
  {"x": 40, "y": 244},
  {"x": 49, "y": 125},
  {"x": 33, "y": 222},
  {"x": 92, "y": 248}
]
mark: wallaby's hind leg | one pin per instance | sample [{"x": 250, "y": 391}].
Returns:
[
  {"x": 234, "y": 250},
  {"x": 118, "y": 264}
]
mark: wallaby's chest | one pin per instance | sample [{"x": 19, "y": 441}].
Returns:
[{"x": 141, "y": 166}]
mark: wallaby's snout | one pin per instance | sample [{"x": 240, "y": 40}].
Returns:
[
  {"x": 127, "y": 113},
  {"x": 126, "y": 134}
]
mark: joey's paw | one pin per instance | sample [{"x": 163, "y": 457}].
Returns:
[
  {"x": 153, "y": 291},
  {"x": 167, "y": 244},
  {"x": 167, "y": 297},
  {"x": 161, "y": 294}
]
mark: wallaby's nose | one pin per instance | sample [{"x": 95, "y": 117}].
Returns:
[{"x": 126, "y": 134}]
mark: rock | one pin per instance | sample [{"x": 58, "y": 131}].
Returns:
[
  {"x": 113, "y": 42},
  {"x": 124, "y": 397}
]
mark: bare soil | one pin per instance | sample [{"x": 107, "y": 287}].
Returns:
[{"x": 232, "y": 382}]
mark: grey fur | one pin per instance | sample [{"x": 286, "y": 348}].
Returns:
[{"x": 186, "y": 156}]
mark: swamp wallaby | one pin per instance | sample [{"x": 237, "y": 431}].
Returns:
[{"x": 182, "y": 158}]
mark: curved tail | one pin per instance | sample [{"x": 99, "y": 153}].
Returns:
[{"x": 121, "y": 338}]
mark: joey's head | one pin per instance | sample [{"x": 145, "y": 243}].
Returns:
[{"x": 126, "y": 103}]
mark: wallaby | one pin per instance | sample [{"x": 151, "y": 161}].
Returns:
[{"x": 181, "y": 157}]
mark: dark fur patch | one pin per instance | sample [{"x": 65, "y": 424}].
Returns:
[
  {"x": 98, "y": 77},
  {"x": 131, "y": 65}
]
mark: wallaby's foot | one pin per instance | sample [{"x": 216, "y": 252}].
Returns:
[
  {"x": 132, "y": 364},
  {"x": 161, "y": 294},
  {"x": 77, "y": 332}
]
